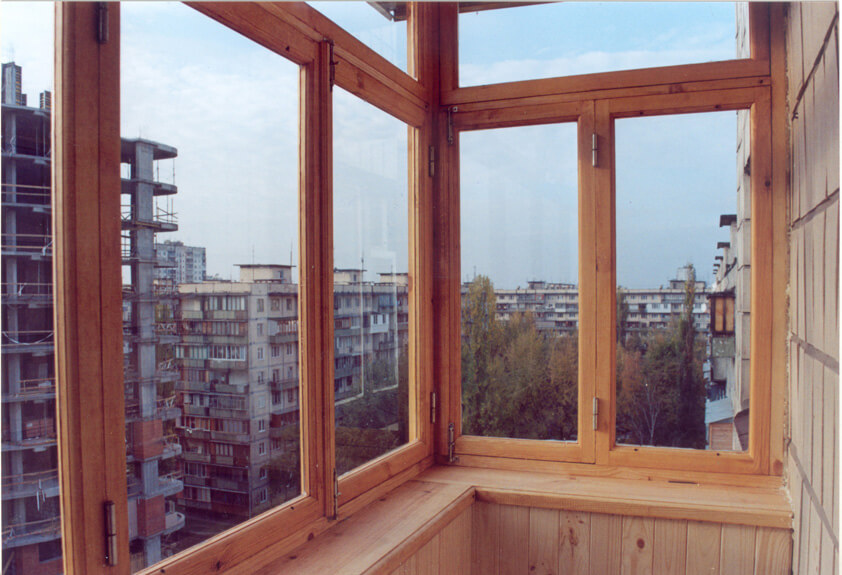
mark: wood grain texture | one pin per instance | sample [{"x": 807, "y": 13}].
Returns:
[
  {"x": 574, "y": 543},
  {"x": 86, "y": 269},
  {"x": 637, "y": 545},
  {"x": 703, "y": 547},
  {"x": 773, "y": 551},
  {"x": 606, "y": 544},
  {"x": 670, "y": 547},
  {"x": 737, "y": 550},
  {"x": 514, "y": 540},
  {"x": 486, "y": 537},
  {"x": 455, "y": 546},
  {"x": 543, "y": 541}
]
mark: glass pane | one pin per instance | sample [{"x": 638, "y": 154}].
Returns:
[
  {"x": 31, "y": 525},
  {"x": 679, "y": 382},
  {"x": 567, "y": 38},
  {"x": 371, "y": 281},
  {"x": 210, "y": 248},
  {"x": 520, "y": 261},
  {"x": 382, "y": 26}
]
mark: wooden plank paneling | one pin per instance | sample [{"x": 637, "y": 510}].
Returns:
[
  {"x": 703, "y": 547},
  {"x": 514, "y": 540},
  {"x": 773, "y": 548},
  {"x": 543, "y": 541},
  {"x": 455, "y": 546},
  {"x": 428, "y": 557},
  {"x": 574, "y": 543},
  {"x": 637, "y": 545},
  {"x": 670, "y": 547},
  {"x": 737, "y": 550},
  {"x": 486, "y": 538},
  {"x": 606, "y": 539}
]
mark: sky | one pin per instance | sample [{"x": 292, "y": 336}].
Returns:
[{"x": 230, "y": 107}]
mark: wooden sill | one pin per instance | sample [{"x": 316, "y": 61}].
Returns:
[{"x": 380, "y": 536}]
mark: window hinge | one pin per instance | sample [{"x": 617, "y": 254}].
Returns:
[
  {"x": 336, "y": 495},
  {"x": 432, "y": 161},
  {"x": 451, "y": 443},
  {"x": 595, "y": 413},
  {"x": 595, "y": 151},
  {"x": 331, "y": 62},
  {"x": 110, "y": 533},
  {"x": 433, "y": 407},
  {"x": 102, "y": 22},
  {"x": 450, "y": 111}
]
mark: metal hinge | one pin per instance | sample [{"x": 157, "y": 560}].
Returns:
[
  {"x": 336, "y": 495},
  {"x": 595, "y": 413},
  {"x": 110, "y": 533},
  {"x": 450, "y": 111},
  {"x": 331, "y": 63},
  {"x": 595, "y": 151},
  {"x": 432, "y": 164},
  {"x": 433, "y": 407},
  {"x": 102, "y": 22},
  {"x": 451, "y": 443}
]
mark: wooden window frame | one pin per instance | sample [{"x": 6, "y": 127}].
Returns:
[
  {"x": 755, "y": 83},
  {"x": 87, "y": 260},
  {"x": 87, "y": 263}
]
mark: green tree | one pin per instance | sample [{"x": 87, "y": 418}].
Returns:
[
  {"x": 660, "y": 383},
  {"x": 481, "y": 335}
]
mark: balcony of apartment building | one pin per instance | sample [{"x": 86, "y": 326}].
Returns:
[
  {"x": 35, "y": 433},
  {"x": 41, "y": 484},
  {"x": 33, "y": 245},
  {"x": 40, "y": 389},
  {"x": 22, "y": 533},
  {"x": 166, "y": 485}
]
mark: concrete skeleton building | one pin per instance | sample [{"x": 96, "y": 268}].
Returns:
[
  {"x": 149, "y": 373},
  {"x": 31, "y": 526},
  {"x": 239, "y": 387}
]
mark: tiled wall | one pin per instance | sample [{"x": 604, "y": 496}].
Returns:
[{"x": 812, "y": 37}]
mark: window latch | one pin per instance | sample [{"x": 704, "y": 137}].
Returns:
[
  {"x": 433, "y": 407},
  {"x": 432, "y": 161},
  {"x": 110, "y": 533},
  {"x": 450, "y": 111},
  {"x": 336, "y": 495},
  {"x": 595, "y": 150},
  {"x": 102, "y": 22},
  {"x": 451, "y": 443},
  {"x": 595, "y": 413}
]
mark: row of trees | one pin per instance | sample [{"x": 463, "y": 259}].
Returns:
[{"x": 519, "y": 381}]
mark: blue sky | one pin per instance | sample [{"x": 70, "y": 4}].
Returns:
[{"x": 191, "y": 83}]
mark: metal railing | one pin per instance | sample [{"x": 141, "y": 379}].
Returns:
[
  {"x": 28, "y": 243},
  {"x": 27, "y": 289},
  {"x": 51, "y": 526},
  {"x": 35, "y": 387},
  {"x": 35, "y": 479}
]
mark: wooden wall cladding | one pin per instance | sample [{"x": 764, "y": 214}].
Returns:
[
  {"x": 511, "y": 540},
  {"x": 812, "y": 40}
]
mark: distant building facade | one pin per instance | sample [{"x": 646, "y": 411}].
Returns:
[
  {"x": 179, "y": 263},
  {"x": 31, "y": 526},
  {"x": 239, "y": 386},
  {"x": 555, "y": 306}
]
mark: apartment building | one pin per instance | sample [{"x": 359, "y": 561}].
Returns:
[
  {"x": 31, "y": 526},
  {"x": 149, "y": 373},
  {"x": 555, "y": 306},
  {"x": 239, "y": 387},
  {"x": 180, "y": 263}
]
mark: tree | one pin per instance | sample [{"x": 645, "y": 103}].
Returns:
[
  {"x": 480, "y": 344},
  {"x": 660, "y": 384}
]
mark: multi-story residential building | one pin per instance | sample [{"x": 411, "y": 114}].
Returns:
[
  {"x": 239, "y": 386},
  {"x": 179, "y": 263},
  {"x": 31, "y": 528},
  {"x": 149, "y": 374},
  {"x": 555, "y": 306}
]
